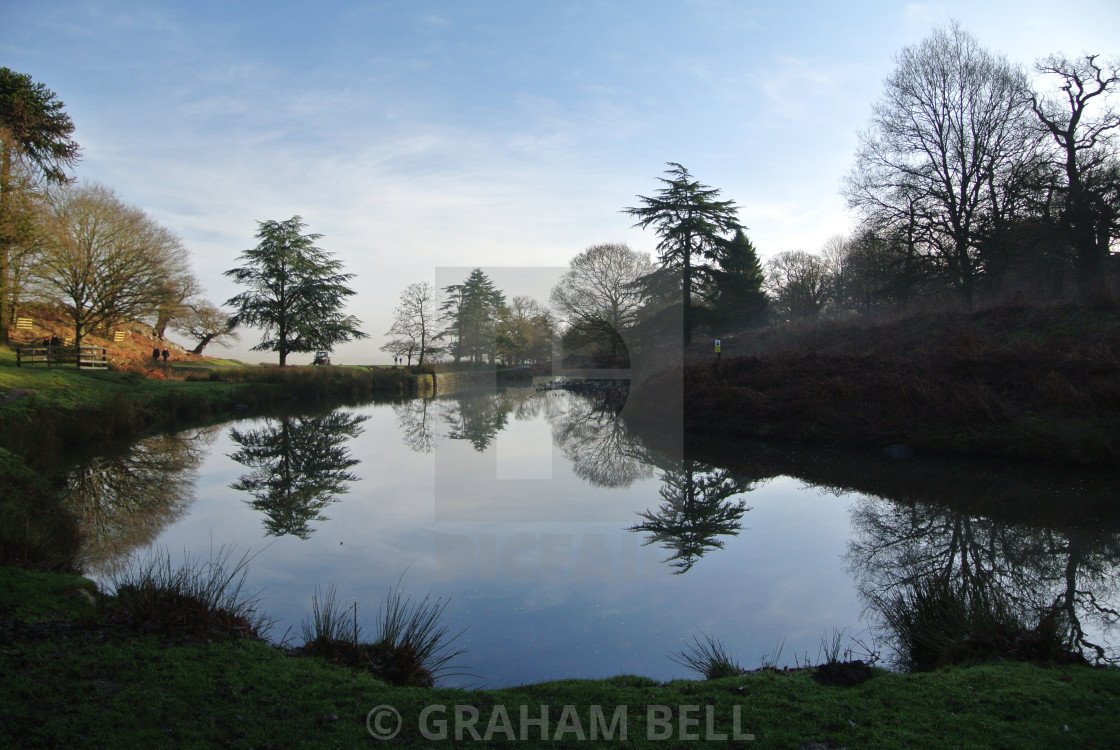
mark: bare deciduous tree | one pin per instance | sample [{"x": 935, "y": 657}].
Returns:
[
  {"x": 206, "y": 324},
  {"x": 414, "y": 322},
  {"x": 102, "y": 260},
  {"x": 943, "y": 144},
  {"x": 798, "y": 284},
  {"x": 1082, "y": 124},
  {"x": 598, "y": 296},
  {"x": 179, "y": 285}
]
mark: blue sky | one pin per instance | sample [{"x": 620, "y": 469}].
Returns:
[{"x": 424, "y": 135}]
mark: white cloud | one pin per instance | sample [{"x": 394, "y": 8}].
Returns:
[{"x": 454, "y": 135}]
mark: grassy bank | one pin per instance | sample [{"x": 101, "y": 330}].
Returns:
[
  {"x": 47, "y": 412},
  {"x": 46, "y": 415},
  {"x": 1026, "y": 383},
  {"x": 72, "y": 677}
]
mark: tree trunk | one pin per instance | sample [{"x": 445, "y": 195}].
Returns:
[
  {"x": 1090, "y": 254},
  {"x": 686, "y": 282},
  {"x": 77, "y": 344},
  {"x": 202, "y": 344},
  {"x": 5, "y": 177},
  {"x": 1089, "y": 267},
  {"x": 161, "y": 323}
]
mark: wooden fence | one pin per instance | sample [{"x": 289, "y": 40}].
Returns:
[{"x": 84, "y": 357}]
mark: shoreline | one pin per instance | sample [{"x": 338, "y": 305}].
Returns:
[
  {"x": 1024, "y": 384},
  {"x": 74, "y": 676}
]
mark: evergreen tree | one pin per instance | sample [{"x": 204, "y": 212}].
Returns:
[
  {"x": 34, "y": 134},
  {"x": 737, "y": 298},
  {"x": 296, "y": 293},
  {"x": 697, "y": 510},
  {"x": 690, "y": 221},
  {"x": 471, "y": 311}
]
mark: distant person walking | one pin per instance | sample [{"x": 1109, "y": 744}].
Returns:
[
  {"x": 155, "y": 354},
  {"x": 166, "y": 354}
]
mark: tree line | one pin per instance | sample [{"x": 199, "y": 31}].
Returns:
[
  {"x": 973, "y": 179},
  {"x": 471, "y": 322},
  {"x": 81, "y": 249},
  {"x": 609, "y": 292},
  {"x": 971, "y": 183}
]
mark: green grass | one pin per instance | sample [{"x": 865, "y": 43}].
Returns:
[
  {"x": 75, "y": 681},
  {"x": 68, "y": 388},
  {"x": 48, "y": 412},
  {"x": 37, "y": 596},
  {"x": 210, "y": 363}
]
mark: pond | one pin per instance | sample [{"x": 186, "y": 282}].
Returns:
[{"x": 567, "y": 547}]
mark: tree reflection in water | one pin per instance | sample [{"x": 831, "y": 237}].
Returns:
[
  {"x": 697, "y": 510},
  {"x": 697, "y": 506},
  {"x": 592, "y": 435},
  {"x": 123, "y": 501},
  {"x": 476, "y": 417},
  {"x": 1071, "y": 572},
  {"x": 416, "y": 424},
  {"x": 299, "y": 466}
]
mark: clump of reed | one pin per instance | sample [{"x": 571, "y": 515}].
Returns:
[
  {"x": 937, "y": 621},
  {"x": 411, "y": 645},
  {"x": 204, "y": 598},
  {"x": 709, "y": 658}
]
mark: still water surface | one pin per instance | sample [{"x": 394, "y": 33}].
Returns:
[{"x": 569, "y": 548}]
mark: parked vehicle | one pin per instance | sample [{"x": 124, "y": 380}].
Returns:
[{"x": 321, "y": 358}]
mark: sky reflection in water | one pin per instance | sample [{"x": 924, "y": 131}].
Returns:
[{"x": 521, "y": 507}]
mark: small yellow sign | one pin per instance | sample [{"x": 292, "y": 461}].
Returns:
[
  {"x": 717, "y": 346},
  {"x": 22, "y": 324},
  {"x": 118, "y": 336}
]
